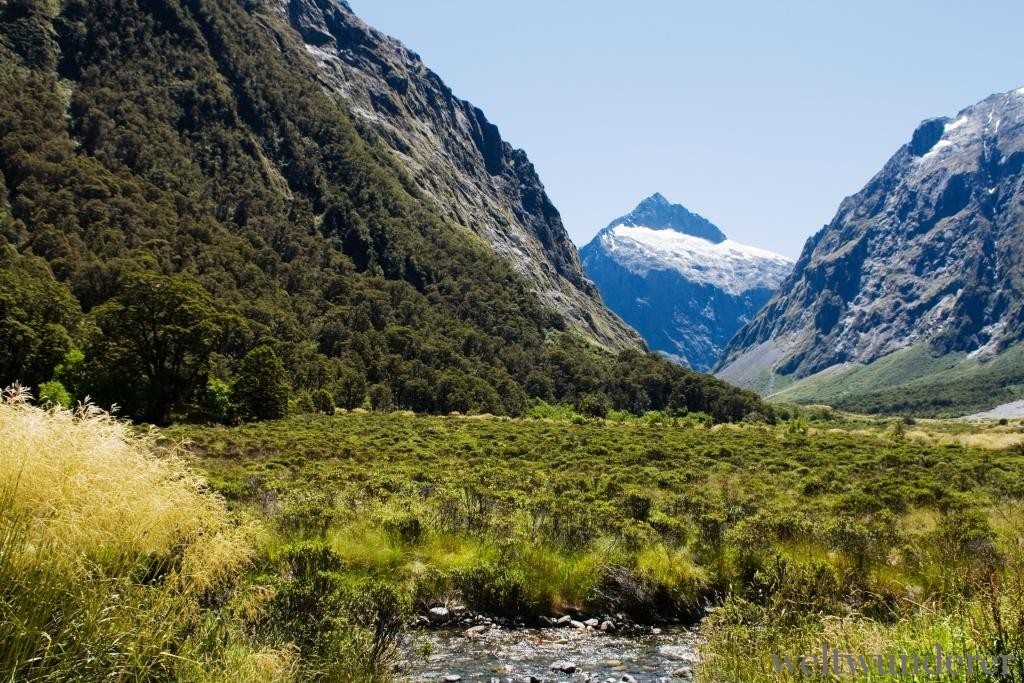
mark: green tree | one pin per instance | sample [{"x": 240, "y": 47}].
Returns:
[
  {"x": 215, "y": 401},
  {"x": 155, "y": 341},
  {"x": 350, "y": 388},
  {"x": 381, "y": 397},
  {"x": 261, "y": 385},
  {"x": 53, "y": 393},
  {"x": 37, "y": 317},
  {"x": 323, "y": 402}
]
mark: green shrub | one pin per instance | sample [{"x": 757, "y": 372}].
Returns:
[{"x": 53, "y": 393}]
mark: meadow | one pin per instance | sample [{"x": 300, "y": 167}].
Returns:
[{"x": 871, "y": 535}]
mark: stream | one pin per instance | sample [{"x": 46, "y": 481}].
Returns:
[{"x": 505, "y": 655}]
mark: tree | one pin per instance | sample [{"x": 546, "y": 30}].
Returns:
[
  {"x": 156, "y": 338},
  {"x": 37, "y": 317},
  {"x": 350, "y": 388},
  {"x": 261, "y": 385},
  {"x": 323, "y": 402},
  {"x": 381, "y": 398}
]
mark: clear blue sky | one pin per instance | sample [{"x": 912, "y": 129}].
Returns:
[{"x": 760, "y": 115}]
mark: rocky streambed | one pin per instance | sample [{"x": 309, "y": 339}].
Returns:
[{"x": 567, "y": 649}]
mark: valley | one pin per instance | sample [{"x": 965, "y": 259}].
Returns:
[{"x": 304, "y": 379}]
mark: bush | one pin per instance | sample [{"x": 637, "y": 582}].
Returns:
[
  {"x": 53, "y": 393},
  {"x": 500, "y": 590},
  {"x": 594, "y": 405}
]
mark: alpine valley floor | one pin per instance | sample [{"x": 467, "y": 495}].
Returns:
[{"x": 321, "y": 539}]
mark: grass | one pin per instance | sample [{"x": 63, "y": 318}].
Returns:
[
  {"x": 913, "y": 381},
  {"x": 118, "y": 564},
  {"x": 864, "y": 530},
  {"x": 310, "y": 541}
]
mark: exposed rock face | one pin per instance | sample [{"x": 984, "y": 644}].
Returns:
[
  {"x": 929, "y": 251},
  {"x": 679, "y": 281},
  {"x": 456, "y": 158}
]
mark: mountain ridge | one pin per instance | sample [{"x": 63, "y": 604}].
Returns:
[
  {"x": 195, "y": 213},
  {"x": 926, "y": 253},
  {"x": 456, "y": 158}
]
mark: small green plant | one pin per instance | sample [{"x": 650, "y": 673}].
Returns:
[{"x": 53, "y": 393}]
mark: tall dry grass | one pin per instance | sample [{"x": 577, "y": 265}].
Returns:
[{"x": 111, "y": 556}]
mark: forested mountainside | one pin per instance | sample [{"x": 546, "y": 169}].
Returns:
[
  {"x": 456, "y": 158},
  {"x": 928, "y": 255},
  {"x": 196, "y": 223},
  {"x": 676, "y": 278}
]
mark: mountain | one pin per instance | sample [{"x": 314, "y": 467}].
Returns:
[
  {"x": 676, "y": 278},
  {"x": 456, "y": 158},
  {"x": 208, "y": 199},
  {"x": 922, "y": 269}
]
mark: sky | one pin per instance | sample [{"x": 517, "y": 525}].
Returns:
[{"x": 759, "y": 115}]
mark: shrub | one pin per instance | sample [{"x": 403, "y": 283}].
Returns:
[
  {"x": 53, "y": 393},
  {"x": 594, "y": 405},
  {"x": 500, "y": 590},
  {"x": 406, "y": 529}
]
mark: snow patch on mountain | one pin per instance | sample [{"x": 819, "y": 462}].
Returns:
[{"x": 729, "y": 265}]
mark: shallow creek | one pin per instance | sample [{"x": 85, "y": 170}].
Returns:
[{"x": 517, "y": 654}]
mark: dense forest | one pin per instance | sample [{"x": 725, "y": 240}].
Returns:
[{"x": 191, "y": 228}]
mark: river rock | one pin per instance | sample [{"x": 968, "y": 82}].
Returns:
[
  {"x": 438, "y": 615},
  {"x": 607, "y": 626},
  {"x": 577, "y": 624},
  {"x": 563, "y": 620},
  {"x": 458, "y": 610},
  {"x": 564, "y": 666},
  {"x": 546, "y": 621},
  {"x": 591, "y": 622},
  {"x": 683, "y": 672},
  {"x": 476, "y": 631},
  {"x": 626, "y": 678},
  {"x": 452, "y": 678}
]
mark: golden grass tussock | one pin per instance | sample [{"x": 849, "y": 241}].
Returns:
[
  {"x": 95, "y": 493},
  {"x": 108, "y": 552}
]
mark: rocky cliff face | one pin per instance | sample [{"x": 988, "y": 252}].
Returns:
[
  {"x": 930, "y": 251},
  {"x": 679, "y": 281},
  {"x": 456, "y": 158}
]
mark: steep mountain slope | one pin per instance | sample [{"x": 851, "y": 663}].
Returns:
[
  {"x": 929, "y": 253},
  {"x": 456, "y": 158},
  {"x": 675, "y": 277},
  {"x": 183, "y": 187}
]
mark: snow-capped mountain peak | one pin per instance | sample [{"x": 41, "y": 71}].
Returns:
[
  {"x": 679, "y": 280},
  {"x": 731, "y": 266}
]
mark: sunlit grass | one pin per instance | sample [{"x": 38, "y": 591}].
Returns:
[{"x": 107, "y": 552}]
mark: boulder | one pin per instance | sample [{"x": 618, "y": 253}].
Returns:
[{"x": 438, "y": 615}]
